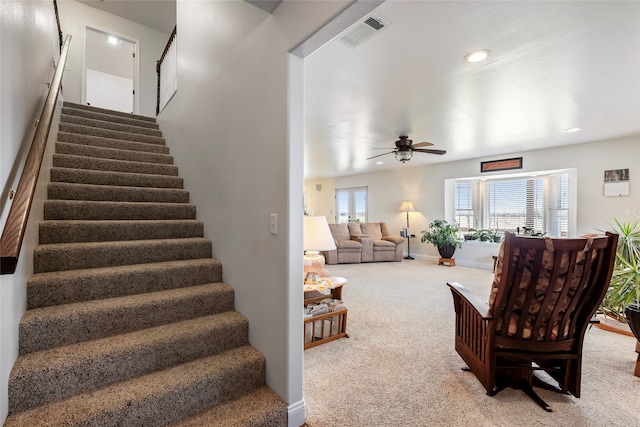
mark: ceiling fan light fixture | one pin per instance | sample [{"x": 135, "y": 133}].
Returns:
[
  {"x": 477, "y": 56},
  {"x": 403, "y": 156}
]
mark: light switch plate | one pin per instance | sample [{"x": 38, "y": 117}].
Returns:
[{"x": 273, "y": 224}]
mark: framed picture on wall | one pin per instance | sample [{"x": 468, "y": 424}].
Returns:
[{"x": 616, "y": 182}]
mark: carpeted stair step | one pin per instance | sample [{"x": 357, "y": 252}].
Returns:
[
  {"x": 110, "y": 125},
  {"x": 75, "y": 231},
  {"x": 66, "y": 287},
  {"x": 61, "y": 325},
  {"x": 157, "y": 398},
  {"x": 96, "y": 141},
  {"x": 89, "y": 210},
  {"x": 84, "y": 176},
  {"x": 50, "y": 375},
  {"x": 109, "y": 112},
  {"x": 73, "y": 191},
  {"x": 112, "y": 153},
  {"x": 113, "y": 134},
  {"x": 259, "y": 407},
  {"x": 70, "y": 111},
  {"x": 91, "y": 163},
  {"x": 78, "y": 256}
]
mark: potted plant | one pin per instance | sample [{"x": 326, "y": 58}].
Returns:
[
  {"x": 622, "y": 300},
  {"x": 443, "y": 236}
]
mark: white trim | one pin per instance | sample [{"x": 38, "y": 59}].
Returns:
[
  {"x": 295, "y": 213},
  {"x": 136, "y": 73},
  {"x": 297, "y": 414}
]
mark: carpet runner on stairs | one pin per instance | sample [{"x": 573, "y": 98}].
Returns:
[{"x": 128, "y": 321}]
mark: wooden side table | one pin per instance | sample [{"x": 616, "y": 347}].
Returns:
[{"x": 313, "y": 295}]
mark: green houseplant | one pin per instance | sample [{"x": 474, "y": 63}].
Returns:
[
  {"x": 443, "y": 236},
  {"x": 622, "y": 300}
]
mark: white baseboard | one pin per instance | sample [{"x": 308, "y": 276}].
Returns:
[
  {"x": 297, "y": 414},
  {"x": 459, "y": 261}
]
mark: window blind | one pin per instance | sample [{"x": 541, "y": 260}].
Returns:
[{"x": 539, "y": 202}]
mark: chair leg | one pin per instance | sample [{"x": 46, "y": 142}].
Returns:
[
  {"x": 525, "y": 379},
  {"x": 540, "y": 383},
  {"x": 526, "y": 387}
]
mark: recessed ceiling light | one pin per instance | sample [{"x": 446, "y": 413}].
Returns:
[
  {"x": 477, "y": 55},
  {"x": 379, "y": 163},
  {"x": 573, "y": 129}
]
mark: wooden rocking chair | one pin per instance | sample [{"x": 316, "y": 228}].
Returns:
[{"x": 544, "y": 293}]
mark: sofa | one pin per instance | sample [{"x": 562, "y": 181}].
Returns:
[{"x": 364, "y": 242}]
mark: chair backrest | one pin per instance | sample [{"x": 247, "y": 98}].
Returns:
[{"x": 546, "y": 290}]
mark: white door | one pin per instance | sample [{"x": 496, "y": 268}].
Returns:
[
  {"x": 351, "y": 204},
  {"x": 110, "y": 68}
]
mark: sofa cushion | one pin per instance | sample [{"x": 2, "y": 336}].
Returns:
[
  {"x": 383, "y": 245},
  {"x": 354, "y": 230},
  {"x": 349, "y": 244},
  {"x": 339, "y": 232},
  {"x": 372, "y": 229}
]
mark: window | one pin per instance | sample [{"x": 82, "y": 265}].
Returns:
[
  {"x": 351, "y": 204},
  {"x": 510, "y": 202}
]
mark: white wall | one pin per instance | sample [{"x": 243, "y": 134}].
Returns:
[
  {"x": 424, "y": 185},
  {"x": 109, "y": 91},
  {"x": 28, "y": 38},
  {"x": 74, "y": 16},
  {"x": 228, "y": 127},
  {"x": 321, "y": 200}
]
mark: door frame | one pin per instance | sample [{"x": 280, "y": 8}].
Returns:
[{"x": 136, "y": 62}]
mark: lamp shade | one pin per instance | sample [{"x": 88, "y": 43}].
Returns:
[
  {"x": 406, "y": 206},
  {"x": 317, "y": 236}
]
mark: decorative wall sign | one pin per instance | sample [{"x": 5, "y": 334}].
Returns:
[
  {"x": 501, "y": 165},
  {"x": 616, "y": 182}
]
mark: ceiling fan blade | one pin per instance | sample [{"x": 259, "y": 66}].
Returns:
[
  {"x": 424, "y": 150},
  {"x": 384, "y": 154},
  {"x": 422, "y": 144}
]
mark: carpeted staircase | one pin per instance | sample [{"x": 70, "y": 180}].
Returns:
[{"x": 128, "y": 321}]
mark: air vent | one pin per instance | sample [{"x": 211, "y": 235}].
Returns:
[
  {"x": 374, "y": 23},
  {"x": 363, "y": 31}
]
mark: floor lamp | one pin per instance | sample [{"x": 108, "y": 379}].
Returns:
[{"x": 407, "y": 207}]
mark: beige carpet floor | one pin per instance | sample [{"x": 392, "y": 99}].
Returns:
[{"x": 399, "y": 367}]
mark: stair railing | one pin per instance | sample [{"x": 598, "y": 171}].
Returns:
[
  {"x": 15, "y": 227},
  {"x": 166, "y": 67},
  {"x": 55, "y": 8}
]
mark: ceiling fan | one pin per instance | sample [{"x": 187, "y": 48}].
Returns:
[{"x": 405, "y": 148}]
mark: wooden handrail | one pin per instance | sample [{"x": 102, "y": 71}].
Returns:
[
  {"x": 14, "y": 229},
  {"x": 159, "y": 64},
  {"x": 55, "y": 8}
]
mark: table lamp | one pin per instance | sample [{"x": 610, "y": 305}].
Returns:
[{"x": 317, "y": 237}]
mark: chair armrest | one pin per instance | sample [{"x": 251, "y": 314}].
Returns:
[
  {"x": 465, "y": 294},
  {"x": 359, "y": 236},
  {"x": 393, "y": 239}
]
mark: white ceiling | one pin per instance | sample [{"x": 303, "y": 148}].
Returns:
[
  {"x": 553, "y": 65},
  {"x": 157, "y": 14}
]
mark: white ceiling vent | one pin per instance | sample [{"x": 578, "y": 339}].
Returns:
[{"x": 363, "y": 30}]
